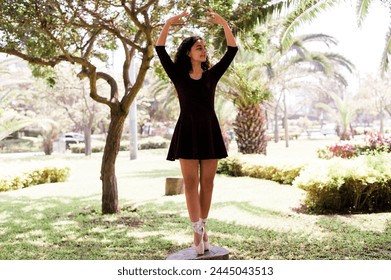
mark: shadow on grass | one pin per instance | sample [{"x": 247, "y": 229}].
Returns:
[{"x": 73, "y": 228}]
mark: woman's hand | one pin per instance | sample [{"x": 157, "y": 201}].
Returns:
[
  {"x": 178, "y": 18},
  {"x": 175, "y": 20},
  {"x": 215, "y": 18}
]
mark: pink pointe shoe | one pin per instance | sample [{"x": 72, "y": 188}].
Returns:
[
  {"x": 206, "y": 243},
  {"x": 199, "y": 229}
]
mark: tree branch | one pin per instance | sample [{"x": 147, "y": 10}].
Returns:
[
  {"x": 133, "y": 14},
  {"x": 35, "y": 60},
  {"x": 146, "y": 6},
  {"x": 90, "y": 43},
  {"x": 93, "y": 76},
  {"x": 129, "y": 54}
]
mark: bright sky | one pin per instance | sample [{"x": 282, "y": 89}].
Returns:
[{"x": 363, "y": 46}]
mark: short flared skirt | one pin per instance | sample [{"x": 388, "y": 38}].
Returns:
[{"x": 197, "y": 137}]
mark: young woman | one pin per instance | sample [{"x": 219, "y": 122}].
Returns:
[{"x": 197, "y": 141}]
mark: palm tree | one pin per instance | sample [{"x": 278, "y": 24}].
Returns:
[
  {"x": 254, "y": 77},
  {"x": 296, "y": 64},
  {"x": 344, "y": 112},
  {"x": 306, "y": 10},
  {"x": 299, "y": 12},
  {"x": 245, "y": 88},
  {"x": 10, "y": 122}
]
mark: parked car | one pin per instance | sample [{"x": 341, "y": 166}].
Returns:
[
  {"x": 71, "y": 138},
  {"x": 329, "y": 129}
]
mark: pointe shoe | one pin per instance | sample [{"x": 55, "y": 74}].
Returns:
[
  {"x": 206, "y": 243},
  {"x": 199, "y": 229}
]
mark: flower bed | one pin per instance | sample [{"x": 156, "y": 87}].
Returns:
[{"x": 372, "y": 144}]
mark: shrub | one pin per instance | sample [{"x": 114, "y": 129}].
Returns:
[
  {"x": 281, "y": 173},
  {"x": 34, "y": 177},
  {"x": 230, "y": 166},
  {"x": 143, "y": 144},
  {"x": 77, "y": 148},
  {"x": 361, "y": 184},
  {"x": 153, "y": 143},
  {"x": 80, "y": 148}
]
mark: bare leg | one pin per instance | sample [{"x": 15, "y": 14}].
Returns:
[
  {"x": 207, "y": 175},
  {"x": 191, "y": 180}
]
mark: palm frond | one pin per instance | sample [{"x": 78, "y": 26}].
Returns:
[
  {"x": 11, "y": 122},
  {"x": 340, "y": 60},
  {"x": 284, "y": 7},
  {"x": 299, "y": 50},
  {"x": 362, "y": 9},
  {"x": 387, "y": 51},
  {"x": 325, "y": 107},
  {"x": 341, "y": 79},
  {"x": 305, "y": 12},
  {"x": 319, "y": 37},
  {"x": 321, "y": 63},
  {"x": 250, "y": 13},
  {"x": 313, "y": 62}
]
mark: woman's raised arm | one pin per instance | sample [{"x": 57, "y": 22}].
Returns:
[
  {"x": 161, "y": 41},
  {"x": 217, "y": 19}
]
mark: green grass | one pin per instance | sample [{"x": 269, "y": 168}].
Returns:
[
  {"x": 64, "y": 229},
  {"x": 63, "y": 220}
]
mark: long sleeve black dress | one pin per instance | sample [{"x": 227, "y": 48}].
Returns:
[{"x": 197, "y": 134}]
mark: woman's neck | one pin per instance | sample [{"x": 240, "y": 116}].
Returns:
[{"x": 196, "y": 72}]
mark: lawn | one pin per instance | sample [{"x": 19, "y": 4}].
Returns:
[{"x": 252, "y": 218}]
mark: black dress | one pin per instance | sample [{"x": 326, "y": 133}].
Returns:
[{"x": 197, "y": 134}]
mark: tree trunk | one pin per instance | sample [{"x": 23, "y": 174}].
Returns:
[
  {"x": 47, "y": 146},
  {"x": 250, "y": 130},
  {"x": 286, "y": 130},
  {"x": 345, "y": 134},
  {"x": 381, "y": 118},
  {"x": 87, "y": 140},
  {"x": 276, "y": 130},
  {"x": 109, "y": 180}
]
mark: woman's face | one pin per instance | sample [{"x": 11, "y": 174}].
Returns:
[{"x": 198, "y": 52}]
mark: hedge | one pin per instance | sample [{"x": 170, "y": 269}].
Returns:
[
  {"x": 283, "y": 173},
  {"x": 143, "y": 144},
  {"x": 358, "y": 185},
  {"x": 361, "y": 184},
  {"x": 34, "y": 177}
]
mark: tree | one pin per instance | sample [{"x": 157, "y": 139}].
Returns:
[
  {"x": 305, "y": 11},
  {"x": 274, "y": 71},
  {"x": 285, "y": 50},
  {"x": 244, "y": 86},
  {"x": 344, "y": 112},
  {"x": 80, "y": 32},
  {"x": 70, "y": 95},
  {"x": 158, "y": 101},
  {"x": 376, "y": 93}
]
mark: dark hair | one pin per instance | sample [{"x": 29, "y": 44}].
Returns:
[{"x": 181, "y": 57}]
